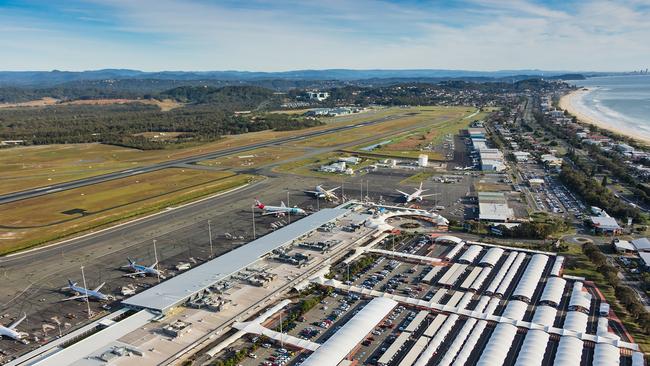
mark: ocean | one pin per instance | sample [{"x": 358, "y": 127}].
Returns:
[{"x": 620, "y": 101}]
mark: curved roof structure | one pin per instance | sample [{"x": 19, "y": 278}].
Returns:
[
  {"x": 470, "y": 254},
  {"x": 449, "y": 238},
  {"x": 606, "y": 355},
  {"x": 576, "y": 320},
  {"x": 510, "y": 275},
  {"x": 498, "y": 346},
  {"x": 437, "y": 340},
  {"x": 478, "y": 282},
  {"x": 515, "y": 310},
  {"x": 530, "y": 279},
  {"x": 491, "y": 257},
  {"x": 533, "y": 349},
  {"x": 557, "y": 266},
  {"x": 553, "y": 290},
  {"x": 502, "y": 272},
  {"x": 579, "y": 298},
  {"x": 637, "y": 359},
  {"x": 544, "y": 315},
  {"x": 569, "y": 352},
  {"x": 342, "y": 342},
  {"x": 379, "y": 222}
]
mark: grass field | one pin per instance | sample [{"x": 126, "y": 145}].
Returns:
[
  {"x": 31, "y": 222},
  {"x": 404, "y": 117},
  {"x": 411, "y": 144},
  {"x": 29, "y": 167},
  {"x": 255, "y": 158}
]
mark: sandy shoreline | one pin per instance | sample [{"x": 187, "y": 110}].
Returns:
[{"x": 571, "y": 103}]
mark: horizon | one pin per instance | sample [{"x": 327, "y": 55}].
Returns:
[
  {"x": 258, "y": 36},
  {"x": 317, "y": 70}
]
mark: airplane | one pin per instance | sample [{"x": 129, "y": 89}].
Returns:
[
  {"x": 140, "y": 270},
  {"x": 11, "y": 332},
  {"x": 417, "y": 195},
  {"x": 279, "y": 210},
  {"x": 83, "y": 293},
  {"x": 321, "y": 192}
]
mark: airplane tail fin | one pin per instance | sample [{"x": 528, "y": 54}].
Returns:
[
  {"x": 420, "y": 185},
  {"x": 282, "y": 204},
  {"x": 259, "y": 204},
  {"x": 18, "y": 321},
  {"x": 131, "y": 261},
  {"x": 70, "y": 283}
]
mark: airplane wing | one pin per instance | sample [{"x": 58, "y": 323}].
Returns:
[
  {"x": 312, "y": 192},
  {"x": 17, "y": 322},
  {"x": 271, "y": 213},
  {"x": 74, "y": 298},
  {"x": 404, "y": 193},
  {"x": 100, "y": 286},
  {"x": 132, "y": 274},
  {"x": 333, "y": 189}
]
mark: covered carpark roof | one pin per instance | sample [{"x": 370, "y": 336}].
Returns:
[{"x": 346, "y": 339}]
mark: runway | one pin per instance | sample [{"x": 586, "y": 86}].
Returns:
[{"x": 35, "y": 192}]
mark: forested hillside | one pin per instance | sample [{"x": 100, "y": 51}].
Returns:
[{"x": 208, "y": 115}]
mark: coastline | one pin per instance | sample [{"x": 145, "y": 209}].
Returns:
[{"x": 571, "y": 103}]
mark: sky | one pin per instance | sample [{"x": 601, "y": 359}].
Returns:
[{"x": 280, "y": 35}]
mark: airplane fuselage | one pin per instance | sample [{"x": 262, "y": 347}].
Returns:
[
  {"x": 12, "y": 333},
  {"x": 90, "y": 293}
]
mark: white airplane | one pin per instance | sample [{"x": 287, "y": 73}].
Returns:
[
  {"x": 82, "y": 293},
  {"x": 140, "y": 270},
  {"x": 279, "y": 210},
  {"x": 11, "y": 332},
  {"x": 327, "y": 194},
  {"x": 417, "y": 195}
]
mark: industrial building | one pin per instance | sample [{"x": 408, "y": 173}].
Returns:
[{"x": 493, "y": 207}]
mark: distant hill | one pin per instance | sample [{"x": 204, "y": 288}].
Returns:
[{"x": 56, "y": 77}]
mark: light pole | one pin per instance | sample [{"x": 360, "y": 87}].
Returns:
[
  {"x": 155, "y": 254},
  {"x": 289, "y": 206},
  {"x": 348, "y": 271},
  {"x": 361, "y": 190},
  {"x": 253, "y": 212},
  {"x": 210, "y": 234},
  {"x": 83, "y": 277}
]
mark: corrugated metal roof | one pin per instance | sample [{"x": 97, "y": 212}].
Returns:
[{"x": 178, "y": 289}]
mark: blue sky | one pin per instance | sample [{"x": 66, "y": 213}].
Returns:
[{"x": 276, "y": 35}]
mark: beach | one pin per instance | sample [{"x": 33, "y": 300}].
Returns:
[{"x": 573, "y": 102}]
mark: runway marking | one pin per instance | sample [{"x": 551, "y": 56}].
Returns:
[{"x": 28, "y": 251}]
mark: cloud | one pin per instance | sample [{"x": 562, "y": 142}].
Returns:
[{"x": 288, "y": 34}]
